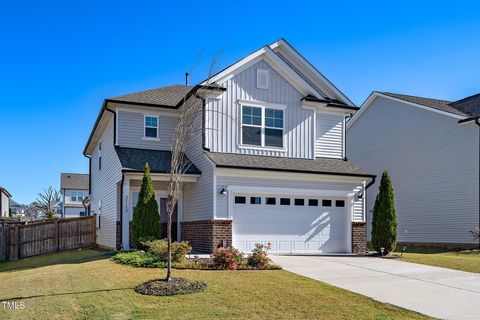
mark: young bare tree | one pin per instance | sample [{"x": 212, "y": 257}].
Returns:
[
  {"x": 188, "y": 126},
  {"x": 46, "y": 200}
]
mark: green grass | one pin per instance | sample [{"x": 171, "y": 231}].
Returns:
[
  {"x": 466, "y": 260},
  {"x": 87, "y": 284}
]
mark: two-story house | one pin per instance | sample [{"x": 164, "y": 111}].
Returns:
[
  {"x": 270, "y": 165},
  {"x": 431, "y": 149},
  {"x": 74, "y": 188}
]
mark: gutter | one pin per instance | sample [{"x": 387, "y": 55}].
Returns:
[{"x": 300, "y": 171}]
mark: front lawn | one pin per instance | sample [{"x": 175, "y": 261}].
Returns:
[
  {"x": 88, "y": 285},
  {"x": 464, "y": 260}
]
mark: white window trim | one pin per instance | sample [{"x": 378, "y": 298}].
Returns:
[
  {"x": 262, "y": 106},
  {"x": 145, "y": 126}
]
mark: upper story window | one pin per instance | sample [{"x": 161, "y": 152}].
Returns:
[
  {"x": 151, "y": 127},
  {"x": 262, "y": 126},
  {"x": 75, "y": 196}
]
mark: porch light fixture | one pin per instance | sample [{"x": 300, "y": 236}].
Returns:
[
  {"x": 223, "y": 192},
  {"x": 358, "y": 195}
]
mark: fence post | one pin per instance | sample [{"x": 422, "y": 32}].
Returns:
[
  {"x": 94, "y": 231},
  {"x": 57, "y": 236},
  {"x": 16, "y": 250}
]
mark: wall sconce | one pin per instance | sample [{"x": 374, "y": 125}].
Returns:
[
  {"x": 224, "y": 192},
  {"x": 359, "y": 196}
]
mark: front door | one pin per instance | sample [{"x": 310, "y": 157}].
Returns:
[{"x": 162, "y": 207}]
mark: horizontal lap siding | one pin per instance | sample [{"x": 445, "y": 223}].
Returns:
[
  {"x": 329, "y": 135},
  {"x": 433, "y": 164},
  {"x": 104, "y": 188},
  {"x": 131, "y": 131},
  {"x": 223, "y": 115},
  {"x": 198, "y": 196}
]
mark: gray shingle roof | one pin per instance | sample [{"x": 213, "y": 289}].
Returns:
[
  {"x": 76, "y": 181},
  {"x": 166, "y": 96},
  {"x": 442, "y": 105},
  {"x": 469, "y": 105},
  {"x": 158, "y": 160},
  {"x": 319, "y": 165}
]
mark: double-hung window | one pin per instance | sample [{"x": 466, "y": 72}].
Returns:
[
  {"x": 262, "y": 126},
  {"x": 151, "y": 127}
]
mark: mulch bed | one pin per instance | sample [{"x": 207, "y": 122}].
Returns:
[{"x": 175, "y": 286}]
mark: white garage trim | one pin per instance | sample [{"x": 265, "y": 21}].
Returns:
[{"x": 346, "y": 195}]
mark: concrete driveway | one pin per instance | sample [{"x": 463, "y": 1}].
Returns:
[{"x": 437, "y": 292}]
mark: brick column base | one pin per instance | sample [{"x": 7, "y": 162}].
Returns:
[
  {"x": 207, "y": 235},
  {"x": 359, "y": 237}
]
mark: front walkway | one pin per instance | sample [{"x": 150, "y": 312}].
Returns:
[{"x": 437, "y": 292}]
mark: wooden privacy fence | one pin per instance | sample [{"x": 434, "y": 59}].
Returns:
[{"x": 28, "y": 240}]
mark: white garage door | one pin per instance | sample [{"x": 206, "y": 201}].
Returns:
[{"x": 290, "y": 224}]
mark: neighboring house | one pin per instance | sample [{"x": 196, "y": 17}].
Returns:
[
  {"x": 269, "y": 166},
  {"x": 57, "y": 208},
  {"x": 15, "y": 207},
  {"x": 4, "y": 202},
  {"x": 431, "y": 149},
  {"x": 74, "y": 189}
]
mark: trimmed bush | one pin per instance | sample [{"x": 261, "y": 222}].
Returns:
[
  {"x": 160, "y": 249},
  {"x": 139, "y": 259},
  {"x": 384, "y": 220},
  {"x": 227, "y": 258},
  {"x": 259, "y": 258},
  {"x": 146, "y": 220}
]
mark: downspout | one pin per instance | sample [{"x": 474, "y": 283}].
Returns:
[
  {"x": 204, "y": 112},
  {"x": 478, "y": 124},
  {"x": 365, "y": 199},
  {"x": 121, "y": 210}
]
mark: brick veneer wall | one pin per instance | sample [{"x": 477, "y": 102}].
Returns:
[
  {"x": 359, "y": 237},
  {"x": 207, "y": 235},
  {"x": 119, "y": 235}
]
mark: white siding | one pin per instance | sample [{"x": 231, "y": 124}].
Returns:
[
  {"x": 131, "y": 131},
  {"x": 433, "y": 164},
  {"x": 104, "y": 188},
  {"x": 198, "y": 198},
  {"x": 72, "y": 212},
  {"x": 223, "y": 115},
  {"x": 329, "y": 135},
  {"x": 4, "y": 205}
]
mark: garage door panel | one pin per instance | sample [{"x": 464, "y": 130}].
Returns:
[{"x": 291, "y": 228}]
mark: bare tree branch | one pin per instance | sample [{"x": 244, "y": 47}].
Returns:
[{"x": 46, "y": 200}]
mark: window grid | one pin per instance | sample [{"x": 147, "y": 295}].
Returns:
[
  {"x": 270, "y": 122},
  {"x": 151, "y": 127}
]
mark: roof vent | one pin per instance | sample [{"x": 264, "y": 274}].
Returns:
[{"x": 263, "y": 80}]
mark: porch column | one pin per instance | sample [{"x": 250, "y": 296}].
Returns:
[
  {"x": 350, "y": 206},
  {"x": 126, "y": 214}
]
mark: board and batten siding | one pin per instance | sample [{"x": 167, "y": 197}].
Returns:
[
  {"x": 433, "y": 164},
  {"x": 104, "y": 188},
  {"x": 329, "y": 135},
  {"x": 131, "y": 130},
  {"x": 223, "y": 115},
  {"x": 223, "y": 181}
]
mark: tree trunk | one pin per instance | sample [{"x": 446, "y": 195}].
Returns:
[{"x": 169, "y": 241}]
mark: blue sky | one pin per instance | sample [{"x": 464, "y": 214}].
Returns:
[{"x": 60, "y": 59}]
